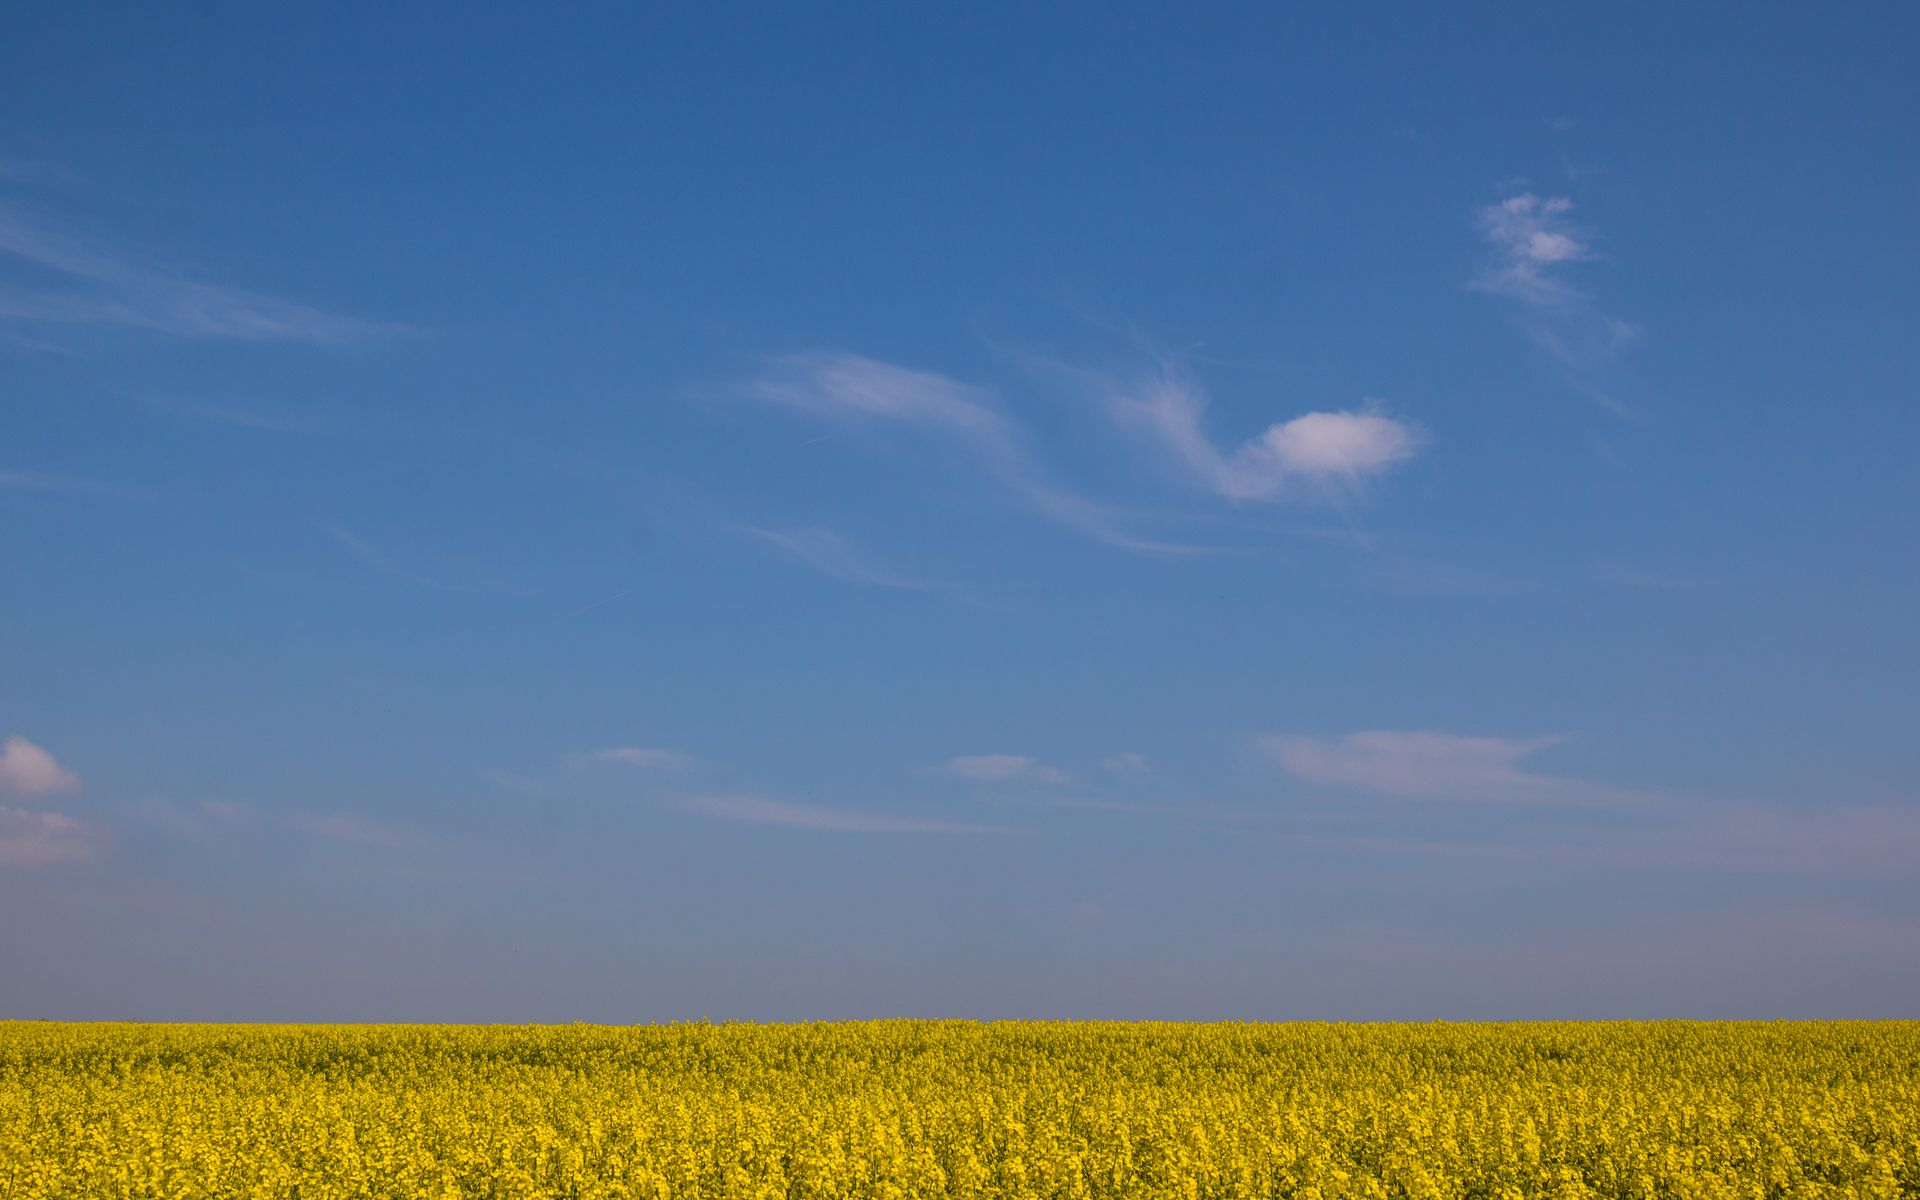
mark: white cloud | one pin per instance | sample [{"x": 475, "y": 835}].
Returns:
[
  {"x": 1533, "y": 239},
  {"x": 833, "y": 555},
  {"x": 1127, "y": 762},
  {"x": 1316, "y": 450},
  {"x": 1347, "y": 444},
  {"x": 1002, "y": 768},
  {"x": 848, "y": 387},
  {"x": 1437, "y": 765},
  {"x": 1529, "y": 235},
  {"x": 99, "y": 286},
  {"x": 28, "y": 770},
  {"x": 646, "y": 757},
  {"x": 761, "y": 810},
  {"x": 33, "y": 839}
]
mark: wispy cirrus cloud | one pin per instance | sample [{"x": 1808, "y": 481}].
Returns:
[
  {"x": 1127, "y": 762},
  {"x": 1315, "y": 453},
  {"x": 257, "y": 419},
  {"x": 338, "y": 827},
  {"x": 1632, "y": 576},
  {"x": 1001, "y": 768},
  {"x": 1534, "y": 241},
  {"x": 1579, "y": 821},
  {"x": 352, "y": 543},
  {"x": 754, "y": 808},
  {"x": 649, "y": 758},
  {"x": 51, "y": 484},
  {"x": 1833, "y": 839},
  {"x": 376, "y": 559},
  {"x": 60, "y": 278},
  {"x": 835, "y": 556},
  {"x": 852, "y": 388},
  {"x": 751, "y": 809},
  {"x": 1424, "y": 764}
]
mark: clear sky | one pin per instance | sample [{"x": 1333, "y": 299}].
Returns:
[{"x": 1020, "y": 510}]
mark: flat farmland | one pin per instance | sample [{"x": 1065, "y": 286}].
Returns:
[{"x": 935, "y": 1109}]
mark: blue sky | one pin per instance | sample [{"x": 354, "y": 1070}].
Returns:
[{"x": 1105, "y": 511}]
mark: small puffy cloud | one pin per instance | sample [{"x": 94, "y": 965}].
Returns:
[
  {"x": 1314, "y": 452},
  {"x": 1438, "y": 765},
  {"x": 1344, "y": 444},
  {"x": 1127, "y": 762},
  {"x": 1001, "y": 768},
  {"x": 645, "y": 757},
  {"x": 28, "y": 770},
  {"x": 30, "y": 838},
  {"x": 1529, "y": 235}
]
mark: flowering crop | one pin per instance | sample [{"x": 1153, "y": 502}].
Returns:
[{"x": 899, "y": 1109}]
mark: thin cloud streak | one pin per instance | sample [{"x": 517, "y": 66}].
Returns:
[
  {"x": 648, "y": 758},
  {"x": 258, "y": 420},
  {"x": 835, "y": 557},
  {"x": 354, "y": 829},
  {"x": 1200, "y": 814},
  {"x": 785, "y": 814},
  {"x": 339, "y": 828},
  {"x": 848, "y": 387},
  {"x": 1662, "y": 829},
  {"x": 1660, "y": 832},
  {"x": 100, "y": 286},
  {"x": 1422, "y": 764},
  {"x": 378, "y": 561},
  {"x": 33, "y": 838},
  {"x": 1533, "y": 241},
  {"x": 1001, "y": 768},
  {"x": 56, "y": 485},
  {"x": 1852, "y": 841},
  {"x": 1643, "y": 832}
]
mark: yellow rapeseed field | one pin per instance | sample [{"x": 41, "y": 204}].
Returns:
[{"x": 938, "y": 1108}]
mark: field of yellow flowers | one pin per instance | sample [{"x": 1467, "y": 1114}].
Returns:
[{"x": 933, "y": 1108}]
